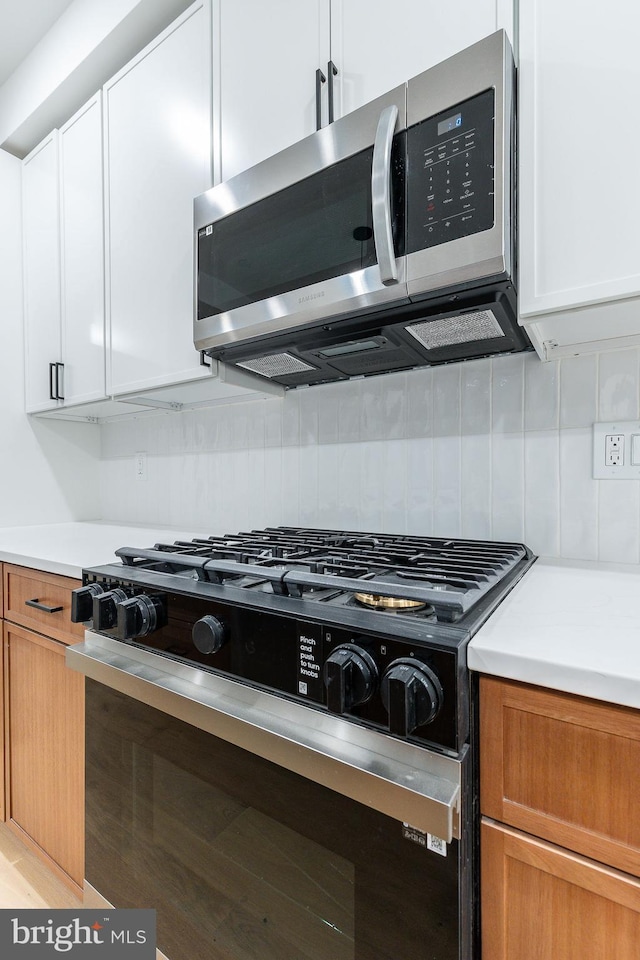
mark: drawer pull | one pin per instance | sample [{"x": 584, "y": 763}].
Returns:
[{"x": 42, "y": 606}]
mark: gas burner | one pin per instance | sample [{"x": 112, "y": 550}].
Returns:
[{"x": 376, "y": 602}]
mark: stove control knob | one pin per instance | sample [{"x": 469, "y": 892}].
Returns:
[
  {"x": 105, "y": 611},
  {"x": 209, "y": 634},
  {"x": 82, "y": 602},
  {"x": 411, "y": 694},
  {"x": 139, "y": 616},
  {"x": 350, "y": 676}
]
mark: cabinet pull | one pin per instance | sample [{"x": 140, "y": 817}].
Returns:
[
  {"x": 42, "y": 606},
  {"x": 332, "y": 70},
  {"x": 320, "y": 79},
  {"x": 59, "y": 381},
  {"x": 52, "y": 395}
]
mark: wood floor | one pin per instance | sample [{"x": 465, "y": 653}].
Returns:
[{"x": 25, "y": 881}]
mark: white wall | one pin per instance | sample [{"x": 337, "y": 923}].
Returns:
[
  {"x": 492, "y": 448},
  {"x": 49, "y": 470}
]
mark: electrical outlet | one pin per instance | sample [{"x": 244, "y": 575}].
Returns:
[
  {"x": 141, "y": 466},
  {"x": 616, "y": 450}
]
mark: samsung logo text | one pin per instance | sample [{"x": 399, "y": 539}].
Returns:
[{"x": 310, "y": 296}]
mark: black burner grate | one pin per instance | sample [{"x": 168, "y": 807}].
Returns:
[{"x": 450, "y": 575}]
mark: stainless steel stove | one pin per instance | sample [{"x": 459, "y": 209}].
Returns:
[
  {"x": 338, "y": 657},
  {"x": 370, "y": 627}
]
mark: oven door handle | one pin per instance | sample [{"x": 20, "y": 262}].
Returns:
[{"x": 381, "y": 195}]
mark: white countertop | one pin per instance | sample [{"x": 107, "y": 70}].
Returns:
[
  {"x": 570, "y": 626},
  {"x": 66, "y": 548},
  {"x": 567, "y": 625}
]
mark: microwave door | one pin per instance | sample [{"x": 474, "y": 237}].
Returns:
[{"x": 312, "y": 233}]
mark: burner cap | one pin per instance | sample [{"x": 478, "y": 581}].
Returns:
[{"x": 387, "y": 603}]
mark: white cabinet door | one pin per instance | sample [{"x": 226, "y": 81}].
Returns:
[
  {"x": 269, "y": 54},
  {"x": 82, "y": 260},
  {"x": 41, "y": 225},
  {"x": 377, "y": 45},
  {"x": 579, "y": 143},
  {"x": 158, "y": 158}
]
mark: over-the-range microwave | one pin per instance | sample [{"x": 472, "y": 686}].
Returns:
[{"x": 382, "y": 242}]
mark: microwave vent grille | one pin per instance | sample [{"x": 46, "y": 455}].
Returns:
[
  {"x": 277, "y": 365},
  {"x": 465, "y": 328}
]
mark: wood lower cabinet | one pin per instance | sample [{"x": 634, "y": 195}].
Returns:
[
  {"x": 2, "y": 803},
  {"x": 43, "y": 724},
  {"x": 560, "y": 841},
  {"x": 541, "y": 902}
]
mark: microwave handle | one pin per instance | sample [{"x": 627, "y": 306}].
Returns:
[{"x": 381, "y": 195}]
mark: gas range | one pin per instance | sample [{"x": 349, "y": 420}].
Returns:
[{"x": 370, "y": 627}]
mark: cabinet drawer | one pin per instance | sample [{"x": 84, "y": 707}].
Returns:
[
  {"x": 564, "y": 768},
  {"x": 52, "y": 593}
]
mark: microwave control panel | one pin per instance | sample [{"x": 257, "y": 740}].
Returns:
[{"x": 450, "y": 182}]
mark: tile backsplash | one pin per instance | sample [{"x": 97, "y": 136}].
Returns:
[{"x": 497, "y": 448}]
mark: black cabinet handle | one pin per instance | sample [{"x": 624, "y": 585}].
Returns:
[
  {"x": 320, "y": 79},
  {"x": 332, "y": 70},
  {"x": 56, "y": 381},
  {"x": 42, "y": 606},
  {"x": 59, "y": 381}
]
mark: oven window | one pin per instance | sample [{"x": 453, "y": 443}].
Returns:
[
  {"x": 246, "y": 861},
  {"x": 316, "y": 229}
]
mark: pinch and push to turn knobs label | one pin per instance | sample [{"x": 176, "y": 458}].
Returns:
[{"x": 310, "y": 683}]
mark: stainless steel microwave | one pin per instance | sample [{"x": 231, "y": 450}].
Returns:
[{"x": 382, "y": 242}]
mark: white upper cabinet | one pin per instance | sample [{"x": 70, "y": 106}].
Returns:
[
  {"x": 108, "y": 242},
  {"x": 288, "y": 66},
  {"x": 377, "y": 45},
  {"x": 82, "y": 256},
  {"x": 41, "y": 260},
  {"x": 579, "y": 141},
  {"x": 265, "y": 94},
  {"x": 64, "y": 265},
  {"x": 158, "y": 158}
]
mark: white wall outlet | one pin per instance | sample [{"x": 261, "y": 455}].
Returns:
[
  {"x": 616, "y": 452},
  {"x": 141, "y": 466}
]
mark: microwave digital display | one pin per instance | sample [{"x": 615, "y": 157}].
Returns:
[{"x": 451, "y": 123}]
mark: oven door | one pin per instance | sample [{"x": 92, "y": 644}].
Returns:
[
  {"x": 313, "y": 232},
  {"x": 258, "y": 828}
]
